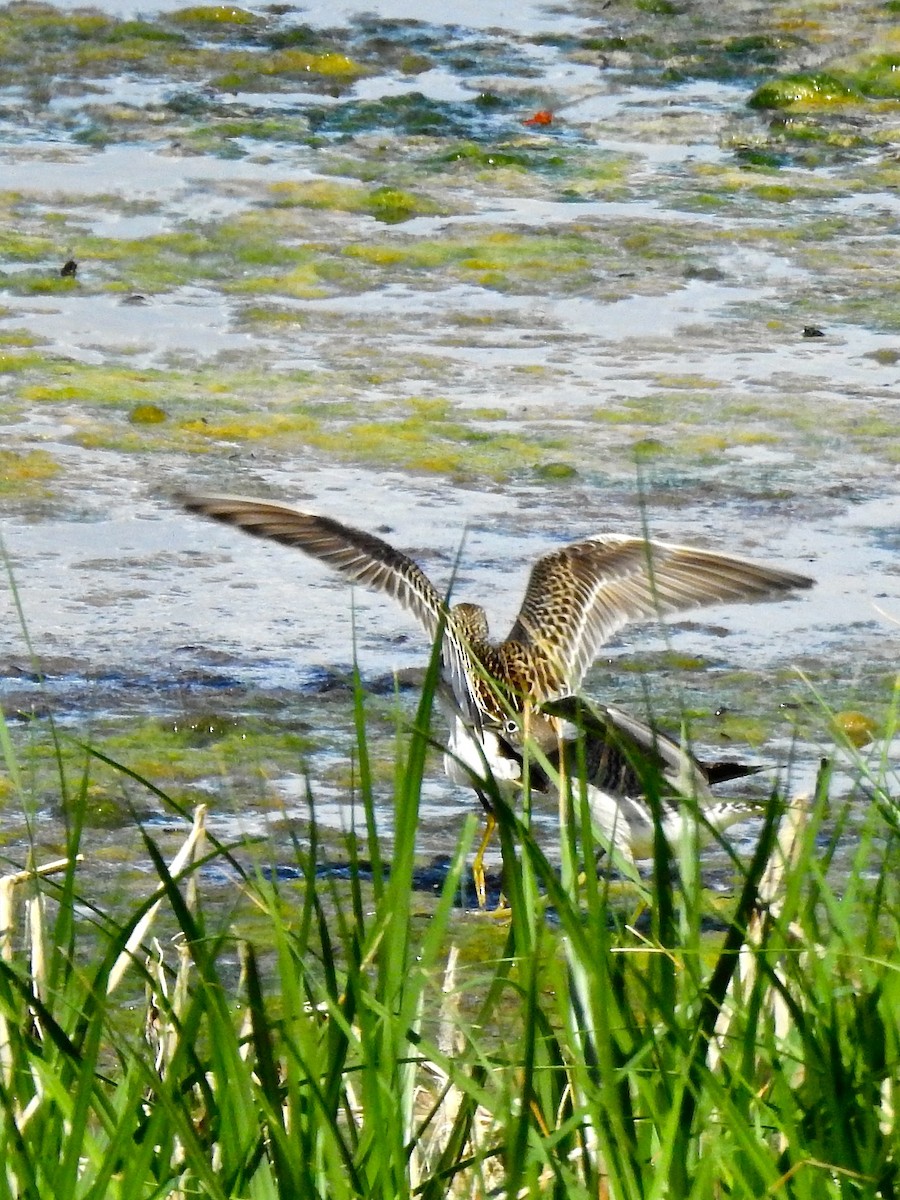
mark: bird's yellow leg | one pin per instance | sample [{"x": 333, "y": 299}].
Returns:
[{"x": 490, "y": 825}]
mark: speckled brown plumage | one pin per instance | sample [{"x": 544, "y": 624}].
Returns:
[{"x": 577, "y": 598}]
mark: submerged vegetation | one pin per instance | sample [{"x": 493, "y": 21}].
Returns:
[{"x": 394, "y": 244}]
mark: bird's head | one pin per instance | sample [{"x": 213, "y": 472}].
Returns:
[{"x": 471, "y": 620}]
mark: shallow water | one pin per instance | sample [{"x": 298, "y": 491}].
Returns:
[{"x": 632, "y": 313}]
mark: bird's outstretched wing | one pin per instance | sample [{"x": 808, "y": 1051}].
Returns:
[
  {"x": 360, "y": 557},
  {"x": 580, "y": 595},
  {"x": 621, "y": 752}
]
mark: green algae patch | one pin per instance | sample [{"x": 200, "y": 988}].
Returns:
[
  {"x": 104, "y": 806},
  {"x": 877, "y": 76},
  {"x": 26, "y": 473},
  {"x": 46, "y": 25},
  {"x": 603, "y": 176},
  {"x": 128, "y": 438},
  {"x": 147, "y": 414},
  {"x": 424, "y": 434},
  {"x": 228, "y": 254},
  {"x": 225, "y": 253},
  {"x": 232, "y": 755},
  {"x": 272, "y": 428},
  {"x": 142, "y": 31},
  {"x": 686, "y": 432},
  {"x": 387, "y": 204},
  {"x": 432, "y": 437},
  {"x": 195, "y": 747},
  {"x": 162, "y": 261},
  {"x": 23, "y": 339},
  {"x": 40, "y": 283},
  {"x": 692, "y": 383},
  {"x": 805, "y": 91},
  {"x": 104, "y": 386},
  {"x": 854, "y": 727},
  {"x": 247, "y": 71},
  {"x": 191, "y": 411},
  {"x": 273, "y": 315},
  {"x": 556, "y": 472},
  {"x": 303, "y": 283},
  {"x": 648, "y": 448},
  {"x": 212, "y": 17},
  {"x": 502, "y": 261},
  {"x": 742, "y": 728},
  {"x": 218, "y": 45},
  {"x": 494, "y": 157},
  {"x": 13, "y": 362},
  {"x": 778, "y": 186},
  {"x": 658, "y": 8},
  {"x": 25, "y": 247},
  {"x": 223, "y": 137},
  {"x": 393, "y": 206},
  {"x": 37, "y": 39},
  {"x": 330, "y": 65}
]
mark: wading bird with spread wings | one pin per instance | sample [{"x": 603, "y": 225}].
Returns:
[{"x": 577, "y": 597}]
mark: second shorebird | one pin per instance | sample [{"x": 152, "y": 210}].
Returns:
[{"x": 577, "y": 597}]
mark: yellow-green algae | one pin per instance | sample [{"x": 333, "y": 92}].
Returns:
[
  {"x": 36, "y": 38},
  {"x": 805, "y": 91},
  {"x": 388, "y": 204},
  {"x": 323, "y": 411},
  {"x": 244, "y": 71},
  {"x": 26, "y": 247},
  {"x": 202, "y": 410},
  {"x": 23, "y": 338},
  {"x": 27, "y": 472},
  {"x": 230, "y": 256},
  {"x": 214, "y": 16},
  {"x": 147, "y": 414},
  {"x": 11, "y": 362},
  {"x": 228, "y": 747},
  {"x": 778, "y": 185},
  {"x": 237, "y": 754},
  {"x": 44, "y": 283},
  {"x": 711, "y": 700},
  {"x": 222, "y": 136},
  {"x": 877, "y": 75},
  {"x": 417, "y": 435},
  {"x": 873, "y": 74},
  {"x": 90, "y": 385},
  {"x": 502, "y": 260},
  {"x": 858, "y": 728},
  {"x": 228, "y": 253}
]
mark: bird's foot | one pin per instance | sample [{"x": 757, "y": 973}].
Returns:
[{"x": 486, "y": 907}]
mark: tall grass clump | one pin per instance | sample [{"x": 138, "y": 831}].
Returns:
[{"x": 624, "y": 1039}]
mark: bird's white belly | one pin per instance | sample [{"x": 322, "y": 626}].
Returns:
[{"x": 470, "y": 761}]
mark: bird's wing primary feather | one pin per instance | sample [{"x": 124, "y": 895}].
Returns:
[
  {"x": 579, "y": 596},
  {"x": 358, "y": 556}
]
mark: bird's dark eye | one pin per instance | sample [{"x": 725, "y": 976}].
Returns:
[{"x": 510, "y": 726}]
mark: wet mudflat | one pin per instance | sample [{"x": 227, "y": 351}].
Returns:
[{"x": 481, "y": 289}]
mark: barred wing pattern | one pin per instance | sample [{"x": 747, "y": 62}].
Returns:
[
  {"x": 359, "y": 557},
  {"x": 579, "y": 596}
]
